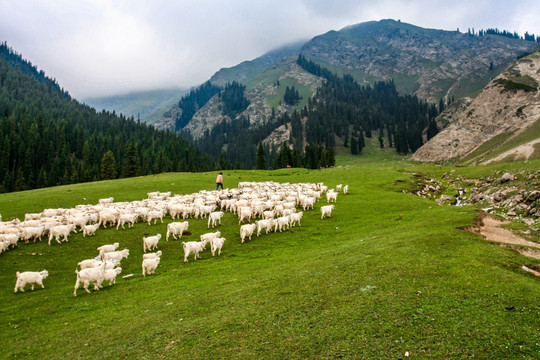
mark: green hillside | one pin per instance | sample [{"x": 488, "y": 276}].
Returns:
[{"x": 388, "y": 273}]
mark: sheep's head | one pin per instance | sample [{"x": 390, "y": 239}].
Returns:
[{"x": 44, "y": 273}]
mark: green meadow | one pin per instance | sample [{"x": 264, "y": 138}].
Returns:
[{"x": 388, "y": 273}]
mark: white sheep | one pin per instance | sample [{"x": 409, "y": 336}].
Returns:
[
  {"x": 150, "y": 242},
  {"x": 152, "y": 255},
  {"x": 107, "y": 248},
  {"x": 93, "y": 275},
  {"x": 149, "y": 266},
  {"x": 108, "y": 216},
  {"x": 246, "y": 231},
  {"x": 192, "y": 247},
  {"x": 110, "y": 275},
  {"x": 89, "y": 230},
  {"x": 326, "y": 210},
  {"x": 269, "y": 214},
  {"x": 90, "y": 263},
  {"x": 205, "y": 238},
  {"x": 106, "y": 201},
  {"x": 11, "y": 239},
  {"x": 265, "y": 224},
  {"x": 345, "y": 189},
  {"x": 31, "y": 232},
  {"x": 30, "y": 277},
  {"x": 338, "y": 187},
  {"x": 216, "y": 244},
  {"x": 61, "y": 231},
  {"x": 116, "y": 255},
  {"x": 176, "y": 228},
  {"x": 215, "y": 217}
]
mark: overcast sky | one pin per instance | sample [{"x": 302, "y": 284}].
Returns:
[{"x": 105, "y": 47}]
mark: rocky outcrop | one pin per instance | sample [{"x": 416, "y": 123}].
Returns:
[{"x": 506, "y": 107}]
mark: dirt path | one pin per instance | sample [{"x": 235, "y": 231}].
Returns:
[
  {"x": 489, "y": 228},
  {"x": 524, "y": 151}
]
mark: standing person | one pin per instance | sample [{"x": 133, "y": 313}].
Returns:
[{"x": 219, "y": 181}]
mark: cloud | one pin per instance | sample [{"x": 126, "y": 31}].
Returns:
[{"x": 104, "y": 47}]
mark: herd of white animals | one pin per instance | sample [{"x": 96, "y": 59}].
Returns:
[{"x": 274, "y": 204}]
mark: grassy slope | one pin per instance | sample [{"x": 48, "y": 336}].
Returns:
[{"x": 366, "y": 283}]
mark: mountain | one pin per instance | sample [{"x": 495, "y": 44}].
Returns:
[
  {"x": 501, "y": 123},
  {"x": 249, "y": 70},
  {"x": 148, "y": 106},
  {"x": 429, "y": 63}
]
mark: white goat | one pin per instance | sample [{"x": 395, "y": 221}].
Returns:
[
  {"x": 150, "y": 242},
  {"x": 215, "y": 217},
  {"x": 90, "y": 229},
  {"x": 331, "y": 195},
  {"x": 264, "y": 224},
  {"x": 192, "y": 247},
  {"x": 30, "y": 277},
  {"x": 110, "y": 275},
  {"x": 326, "y": 210},
  {"x": 295, "y": 218},
  {"x": 345, "y": 189},
  {"x": 282, "y": 222},
  {"x": 152, "y": 255},
  {"x": 246, "y": 231},
  {"x": 149, "y": 266},
  {"x": 116, "y": 255},
  {"x": 176, "y": 228},
  {"x": 107, "y": 248},
  {"x": 90, "y": 275},
  {"x": 61, "y": 231},
  {"x": 216, "y": 244},
  {"x": 129, "y": 218},
  {"x": 205, "y": 238}
]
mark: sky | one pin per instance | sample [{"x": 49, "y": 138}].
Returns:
[{"x": 106, "y": 47}]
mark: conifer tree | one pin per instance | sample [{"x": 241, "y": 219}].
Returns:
[
  {"x": 131, "y": 161},
  {"x": 108, "y": 166},
  {"x": 261, "y": 159},
  {"x": 331, "y": 156}
]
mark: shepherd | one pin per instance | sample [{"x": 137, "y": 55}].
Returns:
[{"x": 219, "y": 181}]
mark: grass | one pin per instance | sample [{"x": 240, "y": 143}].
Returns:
[{"x": 387, "y": 273}]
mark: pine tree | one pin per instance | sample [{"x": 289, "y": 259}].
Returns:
[
  {"x": 331, "y": 156},
  {"x": 222, "y": 165},
  {"x": 108, "y": 166},
  {"x": 354, "y": 146},
  {"x": 261, "y": 159},
  {"x": 131, "y": 161}
]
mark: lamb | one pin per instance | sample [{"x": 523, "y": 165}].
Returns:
[
  {"x": 295, "y": 218},
  {"x": 205, "y": 238},
  {"x": 247, "y": 231},
  {"x": 30, "y": 277},
  {"x": 149, "y": 266},
  {"x": 326, "y": 210},
  {"x": 176, "y": 228},
  {"x": 90, "y": 275},
  {"x": 214, "y": 217},
  {"x": 90, "y": 229},
  {"x": 331, "y": 195},
  {"x": 61, "y": 231},
  {"x": 281, "y": 222},
  {"x": 110, "y": 275},
  {"x": 107, "y": 248},
  {"x": 150, "y": 242},
  {"x": 116, "y": 255},
  {"x": 129, "y": 218},
  {"x": 152, "y": 255},
  {"x": 216, "y": 244},
  {"x": 345, "y": 189},
  {"x": 193, "y": 247},
  {"x": 264, "y": 224}
]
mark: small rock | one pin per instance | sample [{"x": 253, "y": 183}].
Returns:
[
  {"x": 507, "y": 177},
  {"x": 533, "y": 196},
  {"x": 511, "y": 213},
  {"x": 499, "y": 196}
]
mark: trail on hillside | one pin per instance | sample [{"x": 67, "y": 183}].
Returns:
[{"x": 489, "y": 228}]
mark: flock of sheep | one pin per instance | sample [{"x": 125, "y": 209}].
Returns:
[{"x": 274, "y": 204}]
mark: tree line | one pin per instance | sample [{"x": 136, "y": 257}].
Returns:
[{"x": 47, "y": 138}]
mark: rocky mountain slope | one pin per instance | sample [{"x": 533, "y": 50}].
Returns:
[
  {"x": 427, "y": 62},
  {"x": 265, "y": 95},
  {"x": 503, "y": 117}
]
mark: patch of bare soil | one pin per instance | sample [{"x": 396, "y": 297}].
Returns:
[{"x": 489, "y": 228}]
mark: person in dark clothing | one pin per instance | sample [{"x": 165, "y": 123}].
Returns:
[{"x": 219, "y": 181}]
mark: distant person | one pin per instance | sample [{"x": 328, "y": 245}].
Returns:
[{"x": 219, "y": 181}]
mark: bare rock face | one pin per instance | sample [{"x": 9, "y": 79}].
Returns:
[{"x": 508, "y": 105}]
